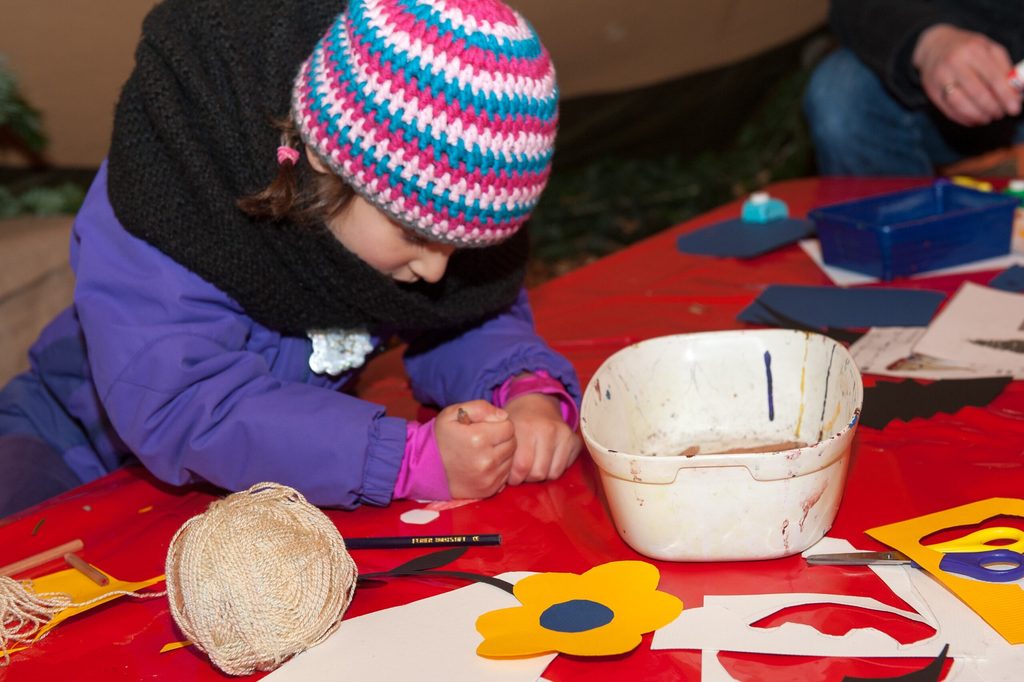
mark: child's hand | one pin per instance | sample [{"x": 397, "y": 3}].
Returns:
[
  {"x": 545, "y": 445},
  {"x": 477, "y": 455}
]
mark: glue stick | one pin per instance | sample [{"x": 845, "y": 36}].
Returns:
[{"x": 1016, "y": 76}]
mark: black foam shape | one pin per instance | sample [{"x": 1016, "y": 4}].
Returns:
[
  {"x": 424, "y": 567},
  {"x": 889, "y": 400}
]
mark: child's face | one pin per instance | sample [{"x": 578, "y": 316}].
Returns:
[{"x": 388, "y": 247}]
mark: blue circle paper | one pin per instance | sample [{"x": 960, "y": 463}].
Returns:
[{"x": 577, "y": 615}]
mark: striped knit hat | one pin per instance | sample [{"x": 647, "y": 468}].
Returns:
[{"x": 442, "y": 113}]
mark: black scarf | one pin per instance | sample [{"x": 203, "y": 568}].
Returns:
[{"x": 192, "y": 134}]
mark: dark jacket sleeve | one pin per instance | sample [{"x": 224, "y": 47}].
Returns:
[{"x": 883, "y": 34}]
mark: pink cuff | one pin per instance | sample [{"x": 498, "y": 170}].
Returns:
[
  {"x": 538, "y": 382},
  {"x": 422, "y": 475}
]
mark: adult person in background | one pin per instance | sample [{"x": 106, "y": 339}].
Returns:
[{"x": 917, "y": 85}]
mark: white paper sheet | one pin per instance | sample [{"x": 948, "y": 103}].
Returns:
[
  {"x": 889, "y": 351},
  {"x": 723, "y": 624},
  {"x": 419, "y": 517},
  {"x": 430, "y": 639},
  {"x": 842, "y": 277},
  {"x": 979, "y": 652},
  {"x": 979, "y": 327}
]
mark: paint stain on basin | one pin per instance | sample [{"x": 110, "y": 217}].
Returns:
[
  {"x": 807, "y": 504},
  {"x": 720, "y": 449}
]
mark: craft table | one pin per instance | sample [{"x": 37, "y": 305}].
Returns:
[{"x": 127, "y": 519}]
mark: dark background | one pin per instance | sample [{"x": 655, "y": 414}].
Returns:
[{"x": 626, "y": 165}]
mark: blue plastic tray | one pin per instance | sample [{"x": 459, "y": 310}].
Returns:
[{"x": 903, "y": 233}]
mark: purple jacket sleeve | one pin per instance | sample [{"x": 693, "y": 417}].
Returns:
[
  {"x": 198, "y": 390},
  {"x": 473, "y": 364}
]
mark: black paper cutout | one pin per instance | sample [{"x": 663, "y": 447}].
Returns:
[
  {"x": 432, "y": 560},
  {"x": 776, "y": 318},
  {"x": 889, "y": 400},
  {"x": 929, "y": 673},
  {"x": 462, "y": 575},
  {"x": 1011, "y": 279},
  {"x": 423, "y": 566},
  {"x": 853, "y": 308},
  {"x": 739, "y": 239}
]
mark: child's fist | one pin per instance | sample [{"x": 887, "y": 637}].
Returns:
[
  {"x": 545, "y": 445},
  {"x": 477, "y": 441}
]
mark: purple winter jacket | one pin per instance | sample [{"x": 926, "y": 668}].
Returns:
[{"x": 152, "y": 361}]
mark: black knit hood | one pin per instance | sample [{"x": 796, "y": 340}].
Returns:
[{"x": 193, "y": 133}]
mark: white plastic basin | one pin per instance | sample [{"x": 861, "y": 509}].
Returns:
[{"x": 723, "y": 445}]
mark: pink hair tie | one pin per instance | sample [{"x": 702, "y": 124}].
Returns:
[{"x": 286, "y": 154}]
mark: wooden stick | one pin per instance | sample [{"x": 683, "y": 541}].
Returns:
[
  {"x": 79, "y": 564},
  {"x": 41, "y": 558}
]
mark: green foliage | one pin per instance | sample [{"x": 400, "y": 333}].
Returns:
[
  {"x": 9, "y": 206},
  {"x": 16, "y": 114},
  {"x": 64, "y": 198},
  {"x": 22, "y": 122},
  {"x": 596, "y": 209}
]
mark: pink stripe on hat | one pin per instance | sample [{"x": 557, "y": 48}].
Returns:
[{"x": 442, "y": 113}]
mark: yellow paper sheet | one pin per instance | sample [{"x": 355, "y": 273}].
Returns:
[
  {"x": 174, "y": 646},
  {"x": 1000, "y": 604},
  {"x": 82, "y": 590}
]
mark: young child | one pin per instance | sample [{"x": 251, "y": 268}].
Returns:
[{"x": 256, "y": 235}]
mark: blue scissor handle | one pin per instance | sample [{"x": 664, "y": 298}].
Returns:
[{"x": 974, "y": 565}]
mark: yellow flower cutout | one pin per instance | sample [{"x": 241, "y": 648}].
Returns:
[{"x": 600, "y": 613}]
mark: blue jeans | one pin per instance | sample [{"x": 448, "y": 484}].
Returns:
[
  {"x": 30, "y": 471},
  {"x": 859, "y": 128}
]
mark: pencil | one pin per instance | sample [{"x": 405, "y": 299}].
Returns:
[
  {"x": 463, "y": 417},
  {"x": 76, "y": 562},
  {"x": 41, "y": 558},
  {"x": 407, "y": 541}
]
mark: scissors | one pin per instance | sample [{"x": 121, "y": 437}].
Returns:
[{"x": 971, "y": 556}]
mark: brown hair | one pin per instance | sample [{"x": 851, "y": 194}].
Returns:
[{"x": 298, "y": 195}]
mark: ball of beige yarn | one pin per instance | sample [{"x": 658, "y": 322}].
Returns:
[{"x": 259, "y": 577}]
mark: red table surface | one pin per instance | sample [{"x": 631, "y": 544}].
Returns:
[{"x": 127, "y": 519}]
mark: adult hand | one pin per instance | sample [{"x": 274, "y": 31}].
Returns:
[
  {"x": 477, "y": 450},
  {"x": 545, "y": 445},
  {"x": 965, "y": 75}
]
